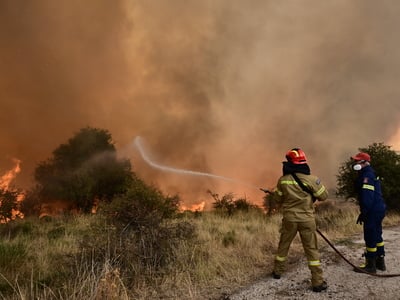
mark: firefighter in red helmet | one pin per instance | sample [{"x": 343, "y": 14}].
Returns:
[{"x": 296, "y": 192}]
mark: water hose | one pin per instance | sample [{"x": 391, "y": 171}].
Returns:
[
  {"x": 360, "y": 270},
  {"x": 356, "y": 268}
]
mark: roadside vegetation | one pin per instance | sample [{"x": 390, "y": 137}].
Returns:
[
  {"x": 191, "y": 256},
  {"x": 138, "y": 244}
]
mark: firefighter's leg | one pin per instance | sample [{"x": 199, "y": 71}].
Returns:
[
  {"x": 288, "y": 232},
  {"x": 380, "y": 258},
  {"x": 310, "y": 244},
  {"x": 380, "y": 245},
  {"x": 370, "y": 233}
]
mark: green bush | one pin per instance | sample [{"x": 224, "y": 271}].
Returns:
[
  {"x": 81, "y": 171},
  {"x": 227, "y": 205},
  {"x": 229, "y": 238},
  {"x": 12, "y": 255},
  {"x": 14, "y": 228},
  {"x": 140, "y": 234},
  {"x": 56, "y": 233},
  {"x": 8, "y": 203}
]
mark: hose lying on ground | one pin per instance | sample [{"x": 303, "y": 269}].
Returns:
[
  {"x": 334, "y": 248},
  {"x": 350, "y": 263}
]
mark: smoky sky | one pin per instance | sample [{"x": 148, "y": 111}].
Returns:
[{"x": 225, "y": 87}]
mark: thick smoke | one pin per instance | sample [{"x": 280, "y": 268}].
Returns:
[{"x": 224, "y": 87}]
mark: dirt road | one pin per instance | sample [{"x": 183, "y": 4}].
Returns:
[{"x": 343, "y": 282}]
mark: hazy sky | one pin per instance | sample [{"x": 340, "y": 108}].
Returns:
[{"x": 225, "y": 87}]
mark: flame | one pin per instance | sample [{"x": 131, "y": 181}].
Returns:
[
  {"x": 5, "y": 182},
  {"x": 56, "y": 208},
  {"x": 194, "y": 207},
  {"x": 9, "y": 176}
]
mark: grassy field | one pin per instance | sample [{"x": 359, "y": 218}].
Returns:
[{"x": 45, "y": 259}]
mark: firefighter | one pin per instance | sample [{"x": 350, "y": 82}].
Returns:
[
  {"x": 296, "y": 200},
  {"x": 372, "y": 212}
]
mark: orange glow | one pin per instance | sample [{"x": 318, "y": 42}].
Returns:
[
  {"x": 5, "y": 182},
  {"x": 9, "y": 176},
  {"x": 395, "y": 140},
  {"x": 194, "y": 207},
  {"x": 56, "y": 208}
]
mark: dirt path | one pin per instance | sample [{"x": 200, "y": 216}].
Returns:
[{"x": 343, "y": 282}]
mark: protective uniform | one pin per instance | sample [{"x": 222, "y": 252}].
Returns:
[
  {"x": 298, "y": 216},
  {"x": 372, "y": 212}
]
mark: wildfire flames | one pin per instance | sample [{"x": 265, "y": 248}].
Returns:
[
  {"x": 194, "y": 207},
  {"x": 5, "y": 183},
  {"x": 9, "y": 176}
]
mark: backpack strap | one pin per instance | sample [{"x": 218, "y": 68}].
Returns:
[{"x": 303, "y": 187}]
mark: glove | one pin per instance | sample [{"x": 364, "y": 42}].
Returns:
[{"x": 360, "y": 219}]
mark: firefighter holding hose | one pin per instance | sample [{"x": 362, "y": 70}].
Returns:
[
  {"x": 372, "y": 212},
  {"x": 296, "y": 192}
]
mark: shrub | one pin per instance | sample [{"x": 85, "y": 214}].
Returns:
[
  {"x": 81, "y": 171},
  {"x": 8, "y": 204},
  {"x": 143, "y": 233},
  {"x": 12, "y": 255},
  {"x": 227, "y": 205}
]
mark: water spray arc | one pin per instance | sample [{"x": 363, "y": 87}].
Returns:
[{"x": 139, "y": 146}]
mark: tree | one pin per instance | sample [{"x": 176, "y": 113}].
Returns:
[
  {"x": 386, "y": 164},
  {"x": 84, "y": 170},
  {"x": 9, "y": 204}
]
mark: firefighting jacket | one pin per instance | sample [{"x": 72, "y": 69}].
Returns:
[
  {"x": 297, "y": 204},
  {"x": 369, "y": 192}
]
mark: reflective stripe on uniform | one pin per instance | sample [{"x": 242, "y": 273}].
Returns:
[
  {"x": 280, "y": 258},
  {"x": 320, "y": 191},
  {"x": 288, "y": 182},
  {"x": 371, "y": 249},
  {"x": 314, "y": 263},
  {"x": 381, "y": 244},
  {"x": 368, "y": 187}
]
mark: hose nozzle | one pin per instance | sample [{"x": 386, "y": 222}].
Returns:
[{"x": 266, "y": 191}]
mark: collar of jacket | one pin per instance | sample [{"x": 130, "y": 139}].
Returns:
[{"x": 290, "y": 168}]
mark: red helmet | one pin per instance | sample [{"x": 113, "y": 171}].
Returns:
[
  {"x": 296, "y": 156},
  {"x": 362, "y": 156}
]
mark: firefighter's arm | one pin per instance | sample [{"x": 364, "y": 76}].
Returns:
[
  {"x": 320, "y": 192},
  {"x": 277, "y": 195},
  {"x": 367, "y": 195}
]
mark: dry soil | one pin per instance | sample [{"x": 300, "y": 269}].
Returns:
[{"x": 343, "y": 282}]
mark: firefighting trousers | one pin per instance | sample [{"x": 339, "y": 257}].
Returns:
[
  {"x": 307, "y": 231},
  {"x": 373, "y": 235}
]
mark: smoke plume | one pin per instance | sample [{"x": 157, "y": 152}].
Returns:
[{"x": 224, "y": 87}]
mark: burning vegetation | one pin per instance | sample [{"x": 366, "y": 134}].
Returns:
[
  {"x": 82, "y": 176},
  {"x": 10, "y": 197}
]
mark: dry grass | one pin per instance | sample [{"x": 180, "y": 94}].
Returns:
[{"x": 39, "y": 258}]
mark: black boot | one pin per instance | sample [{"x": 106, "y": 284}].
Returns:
[
  {"x": 320, "y": 288},
  {"x": 380, "y": 263},
  {"x": 370, "y": 266}
]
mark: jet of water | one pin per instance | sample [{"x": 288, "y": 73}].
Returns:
[{"x": 139, "y": 146}]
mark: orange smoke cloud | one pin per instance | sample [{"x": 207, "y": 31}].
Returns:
[{"x": 220, "y": 87}]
